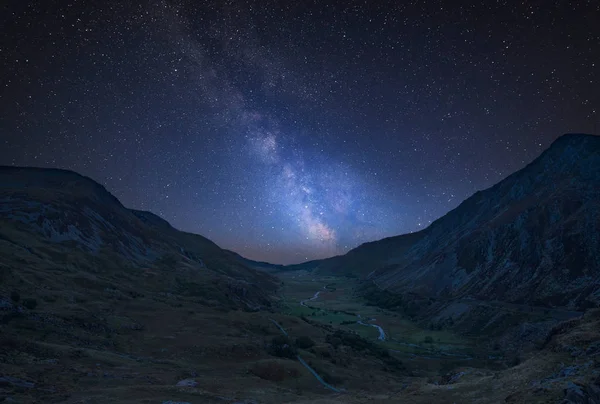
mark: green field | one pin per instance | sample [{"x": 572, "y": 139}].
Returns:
[{"x": 338, "y": 305}]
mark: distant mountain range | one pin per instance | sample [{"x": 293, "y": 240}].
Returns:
[{"x": 274, "y": 268}]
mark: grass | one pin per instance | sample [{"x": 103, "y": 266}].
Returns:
[
  {"x": 110, "y": 334},
  {"x": 436, "y": 355},
  {"x": 225, "y": 351},
  {"x": 339, "y": 306}
]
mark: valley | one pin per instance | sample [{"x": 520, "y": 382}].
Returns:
[
  {"x": 444, "y": 365},
  {"x": 338, "y": 305},
  {"x": 113, "y": 346},
  {"x": 300, "y": 202},
  {"x": 497, "y": 301}
]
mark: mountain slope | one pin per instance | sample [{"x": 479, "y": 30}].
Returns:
[
  {"x": 532, "y": 238},
  {"x": 100, "y": 303},
  {"x": 60, "y": 220}
]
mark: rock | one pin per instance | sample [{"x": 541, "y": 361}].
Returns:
[
  {"x": 187, "y": 383},
  {"x": 5, "y": 304},
  {"x": 451, "y": 378},
  {"x": 175, "y": 402},
  {"x": 576, "y": 393},
  {"x": 568, "y": 371},
  {"x": 6, "y": 380},
  {"x": 593, "y": 349}
]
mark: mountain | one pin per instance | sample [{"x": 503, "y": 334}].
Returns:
[
  {"x": 492, "y": 303},
  {"x": 56, "y": 220},
  {"x": 275, "y": 268},
  {"x": 531, "y": 240},
  {"x": 100, "y": 303},
  {"x": 258, "y": 265}
]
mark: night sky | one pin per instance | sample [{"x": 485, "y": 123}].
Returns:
[{"x": 288, "y": 130}]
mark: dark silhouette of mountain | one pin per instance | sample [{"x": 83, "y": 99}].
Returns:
[
  {"x": 258, "y": 265},
  {"x": 274, "y": 268},
  {"x": 59, "y": 219},
  {"x": 533, "y": 238}
]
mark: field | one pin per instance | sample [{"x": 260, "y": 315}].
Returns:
[
  {"x": 445, "y": 367},
  {"x": 338, "y": 305}
]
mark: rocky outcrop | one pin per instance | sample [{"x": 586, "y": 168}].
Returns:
[{"x": 576, "y": 393}]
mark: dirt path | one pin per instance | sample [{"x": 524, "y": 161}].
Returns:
[{"x": 311, "y": 370}]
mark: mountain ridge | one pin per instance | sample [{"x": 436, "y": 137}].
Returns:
[
  {"x": 60, "y": 216},
  {"x": 426, "y": 262},
  {"x": 331, "y": 263}
]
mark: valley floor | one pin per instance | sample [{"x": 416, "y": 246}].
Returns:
[
  {"x": 161, "y": 348},
  {"x": 444, "y": 366}
]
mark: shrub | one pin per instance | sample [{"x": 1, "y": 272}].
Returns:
[
  {"x": 327, "y": 377},
  {"x": 428, "y": 340},
  {"x": 392, "y": 364},
  {"x": 334, "y": 341},
  {"x": 30, "y": 303},
  {"x": 282, "y": 346},
  {"x": 514, "y": 361},
  {"x": 304, "y": 342},
  {"x": 270, "y": 370},
  {"x": 350, "y": 339},
  {"x": 15, "y": 296},
  {"x": 322, "y": 352}
]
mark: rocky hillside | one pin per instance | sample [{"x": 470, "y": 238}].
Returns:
[
  {"x": 59, "y": 230},
  {"x": 532, "y": 239}
]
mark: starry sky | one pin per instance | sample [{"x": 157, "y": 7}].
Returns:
[{"x": 289, "y": 131}]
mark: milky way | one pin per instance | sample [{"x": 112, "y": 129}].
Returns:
[{"x": 289, "y": 131}]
